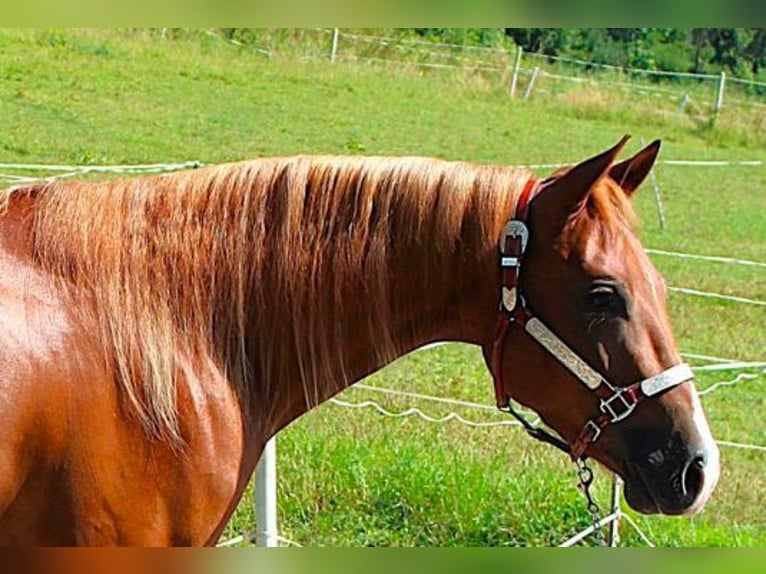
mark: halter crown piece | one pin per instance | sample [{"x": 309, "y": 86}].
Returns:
[{"x": 615, "y": 403}]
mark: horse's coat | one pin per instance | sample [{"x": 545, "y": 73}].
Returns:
[{"x": 156, "y": 331}]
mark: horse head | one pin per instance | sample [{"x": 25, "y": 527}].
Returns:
[{"x": 620, "y": 394}]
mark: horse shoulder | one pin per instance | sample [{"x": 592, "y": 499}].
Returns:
[{"x": 75, "y": 466}]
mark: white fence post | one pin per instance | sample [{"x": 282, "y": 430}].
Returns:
[
  {"x": 682, "y": 106},
  {"x": 658, "y": 199},
  {"x": 719, "y": 96},
  {"x": 531, "y": 83},
  {"x": 516, "y": 66},
  {"x": 266, "y": 497},
  {"x": 334, "y": 51},
  {"x": 614, "y": 526}
]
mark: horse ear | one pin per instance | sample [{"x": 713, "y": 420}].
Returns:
[
  {"x": 569, "y": 191},
  {"x": 629, "y": 174}
]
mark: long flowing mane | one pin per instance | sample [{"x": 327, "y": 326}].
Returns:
[{"x": 259, "y": 266}]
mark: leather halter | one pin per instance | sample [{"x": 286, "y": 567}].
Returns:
[{"x": 615, "y": 403}]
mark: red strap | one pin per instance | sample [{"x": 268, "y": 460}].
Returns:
[
  {"x": 587, "y": 435},
  {"x": 510, "y": 275},
  {"x": 510, "y": 278},
  {"x": 501, "y": 330},
  {"x": 519, "y": 315},
  {"x": 592, "y": 429},
  {"x": 512, "y": 246},
  {"x": 522, "y": 205}
]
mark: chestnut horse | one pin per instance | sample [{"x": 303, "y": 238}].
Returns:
[{"x": 156, "y": 331}]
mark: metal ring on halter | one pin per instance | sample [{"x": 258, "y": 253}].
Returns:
[{"x": 618, "y": 397}]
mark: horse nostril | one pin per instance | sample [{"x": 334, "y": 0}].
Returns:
[{"x": 692, "y": 475}]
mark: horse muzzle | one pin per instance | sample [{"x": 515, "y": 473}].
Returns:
[{"x": 674, "y": 480}]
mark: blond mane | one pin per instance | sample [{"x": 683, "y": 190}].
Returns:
[{"x": 258, "y": 266}]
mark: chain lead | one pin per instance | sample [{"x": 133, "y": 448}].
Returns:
[{"x": 585, "y": 476}]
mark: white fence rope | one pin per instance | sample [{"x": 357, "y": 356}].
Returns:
[
  {"x": 68, "y": 171},
  {"x": 712, "y": 162},
  {"x": 414, "y": 411},
  {"x": 511, "y": 52},
  {"x": 27, "y": 180},
  {"x": 712, "y": 258},
  {"x": 455, "y": 402},
  {"x": 455, "y": 417},
  {"x": 452, "y": 55},
  {"x": 741, "y": 445},
  {"x": 733, "y": 366},
  {"x": 640, "y": 533},
  {"x": 669, "y": 162},
  {"x": 406, "y": 41},
  {"x": 239, "y": 44},
  {"x": 621, "y": 69},
  {"x": 747, "y": 82},
  {"x": 102, "y": 168},
  {"x": 625, "y": 86},
  {"x": 712, "y": 359},
  {"x": 590, "y": 529},
  {"x": 429, "y": 49},
  {"x": 478, "y": 66},
  {"x": 739, "y": 378},
  {"x": 719, "y": 296}
]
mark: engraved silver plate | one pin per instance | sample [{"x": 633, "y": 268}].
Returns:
[
  {"x": 667, "y": 379},
  {"x": 509, "y": 298},
  {"x": 564, "y": 354}
]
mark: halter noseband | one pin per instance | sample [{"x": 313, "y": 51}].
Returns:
[{"x": 615, "y": 403}]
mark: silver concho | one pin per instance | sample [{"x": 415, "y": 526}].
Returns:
[{"x": 515, "y": 228}]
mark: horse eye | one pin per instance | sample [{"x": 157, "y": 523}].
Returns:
[{"x": 605, "y": 300}]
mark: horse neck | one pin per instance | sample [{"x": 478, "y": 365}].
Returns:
[{"x": 409, "y": 289}]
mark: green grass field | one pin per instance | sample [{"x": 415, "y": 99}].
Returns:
[{"x": 352, "y": 477}]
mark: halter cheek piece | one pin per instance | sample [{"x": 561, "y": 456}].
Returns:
[{"x": 615, "y": 403}]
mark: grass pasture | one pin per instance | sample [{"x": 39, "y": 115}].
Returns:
[{"x": 352, "y": 477}]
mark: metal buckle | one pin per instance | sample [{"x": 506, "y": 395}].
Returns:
[
  {"x": 515, "y": 228},
  {"x": 625, "y": 406},
  {"x": 596, "y": 430}
]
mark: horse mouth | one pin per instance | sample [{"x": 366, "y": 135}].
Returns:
[{"x": 638, "y": 494}]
